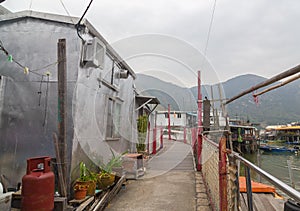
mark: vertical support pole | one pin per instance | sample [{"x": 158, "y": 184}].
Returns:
[
  {"x": 161, "y": 137},
  {"x": 199, "y": 104},
  {"x": 154, "y": 141},
  {"x": 222, "y": 174},
  {"x": 184, "y": 135},
  {"x": 169, "y": 121},
  {"x": 62, "y": 105},
  {"x": 199, "y": 143},
  {"x": 199, "y": 152},
  {"x": 148, "y": 137},
  {"x": 249, "y": 188}
]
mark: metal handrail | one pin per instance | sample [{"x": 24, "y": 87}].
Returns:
[{"x": 273, "y": 180}]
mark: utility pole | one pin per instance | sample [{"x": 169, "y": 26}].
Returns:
[
  {"x": 200, "y": 129},
  {"x": 169, "y": 121},
  {"x": 62, "y": 106}
]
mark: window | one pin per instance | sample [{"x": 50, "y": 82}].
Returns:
[
  {"x": 113, "y": 119},
  {"x": 179, "y": 115},
  {"x": 166, "y": 115}
]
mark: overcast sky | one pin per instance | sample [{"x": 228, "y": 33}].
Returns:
[{"x": 247, "y": 36}]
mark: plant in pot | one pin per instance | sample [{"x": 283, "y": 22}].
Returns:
[
  {"x": 142, "y": 124},
  {"x": 93, "y": 178},
  {"x": 106, "y": 177},
  {"x": 82, "y": 183}
]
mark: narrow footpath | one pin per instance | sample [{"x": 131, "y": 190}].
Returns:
[{"x": 170, "y": 183}]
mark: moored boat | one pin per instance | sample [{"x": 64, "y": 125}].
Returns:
[{"x": 284, "y": 149}]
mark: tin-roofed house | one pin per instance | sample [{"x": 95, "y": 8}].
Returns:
[{"x": 101, "y": 111}]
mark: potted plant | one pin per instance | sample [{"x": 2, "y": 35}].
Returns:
[
  {"x": 82, "y": 183},
  {"x": 93, "y": 178},
  {"x": 142, "y": 124},
  {"x": 107, "y": 177}
]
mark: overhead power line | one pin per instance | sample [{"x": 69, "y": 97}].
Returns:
[
  {"x": 77, "y": 26},
  {"x": 210, "y": 27}
]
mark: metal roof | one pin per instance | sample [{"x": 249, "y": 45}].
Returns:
[
  {"x": 140, "y": 99},
  {"x": 242, "y": 126},
  {"x": 68, "y": 20},
  {"x": 288, "y": 128},
  {"x": 3, "y": 10}
]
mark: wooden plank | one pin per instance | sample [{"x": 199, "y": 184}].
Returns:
[
  {"x": 109, "y": 195},
  {"x": 85, "y": 204},
  {"x": 61, "y": 182},
  {"x": 62, "y": 105},
  {"x": 262, "y": 201}
]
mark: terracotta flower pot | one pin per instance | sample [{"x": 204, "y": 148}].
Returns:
[{"x": 80, "y": 190}]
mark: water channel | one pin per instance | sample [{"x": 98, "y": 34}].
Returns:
[{"x": 276, "y": 164}]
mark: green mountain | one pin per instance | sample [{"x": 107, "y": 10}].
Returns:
[{"x": 275, "y": 107}]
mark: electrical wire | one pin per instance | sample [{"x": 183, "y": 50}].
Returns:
[
  {"x": 85, "y": 12},
  {"x": 24, "y": 68},
  {"x": 40, "y": 90},
  {"x": 62, "y": 3},
  {"x": 78, "y": 26},
  {"x": 30, "y": 4},
  {"x": 210, "y": 26}
]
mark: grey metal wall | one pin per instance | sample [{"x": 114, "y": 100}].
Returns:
[{"x": 28, "y": 119}]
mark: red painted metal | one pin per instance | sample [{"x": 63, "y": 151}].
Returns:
[
  {"x": 184, "y": 135},
  {"x": 169, "y": 122},
  {"x": 199, "y": 103},
  {"x": 222, "y": 174},
  {"x": 199, "y": 143},
  {"x": 161, "y": 137},
  {"x": 154, "y": 141},
  {"x": 148, "y": 138},
  {"x": 38, "y": 185},
  {"x": 199, "y": 152}
]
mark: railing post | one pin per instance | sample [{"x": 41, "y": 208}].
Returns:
[
  {"x": 249, "y": 188},
  {"x": 148, "y": 139},
  {"x": 222, "y": 174},
  {"x": 154, "y": 141},
  {"x": 199, "y": 152},
  {"x": 169, "y": 122}
]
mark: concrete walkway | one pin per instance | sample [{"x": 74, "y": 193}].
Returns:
[{"x": 170, "y": 183}]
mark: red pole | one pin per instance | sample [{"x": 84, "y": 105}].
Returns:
[
  {"x": 161, "y": 137},
  {"x": 148, "y": 139},
  {"x": 154, "y": 141},
  {"x": 199, "y": 104},
  {"x": 169, "y": 122},
  {"x": 199, "y": 145},
  {"x": 222, "y": 174}
]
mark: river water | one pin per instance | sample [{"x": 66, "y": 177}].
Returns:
[{"x": 276, "y": 165}]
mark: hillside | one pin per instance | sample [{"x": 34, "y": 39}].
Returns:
[{"x": 276, "y": 107}]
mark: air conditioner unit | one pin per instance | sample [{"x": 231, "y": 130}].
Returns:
[{"x": 94, "y": 53}]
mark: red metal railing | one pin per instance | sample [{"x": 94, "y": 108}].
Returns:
[
  {"x": 214, "y": 170},
  {"x": 154, "y": 140}
]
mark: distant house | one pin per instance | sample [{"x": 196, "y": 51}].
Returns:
[
  {"x": 101, "y": 98},
  {"x": 177, "y": 118},
  {"x": 289, "y": 133}
]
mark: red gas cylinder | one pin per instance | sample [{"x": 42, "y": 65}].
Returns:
[{"x": 38, "y": 185}]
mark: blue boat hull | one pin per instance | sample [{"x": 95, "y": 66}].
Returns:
[{"x": 277, "y": 149}]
